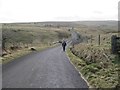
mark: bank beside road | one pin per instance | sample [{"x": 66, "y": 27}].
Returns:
[
  {"x": 49, "y": 68},
  {"x": 102, "y": 73},
  {"x": 9, "y": 57}
]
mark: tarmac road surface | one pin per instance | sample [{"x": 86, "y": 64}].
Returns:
[{"x": 50, "y": 68}]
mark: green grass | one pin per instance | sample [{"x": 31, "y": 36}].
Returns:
[
  {"x": 29, "y": 35},
  {"x": 19, "y": 53},
  {"x": 40, "y": 39},
  {"x": 11, "y": 57},
  {"x": 97, "y": 76},
  {"x": 75, "y": 60}
]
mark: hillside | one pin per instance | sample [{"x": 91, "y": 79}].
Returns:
[
  {"x": 17, "y": 37},
  {"x": 93, "y": 57}
]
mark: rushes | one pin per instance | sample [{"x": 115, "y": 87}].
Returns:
[{"x": 99, "y": 71}]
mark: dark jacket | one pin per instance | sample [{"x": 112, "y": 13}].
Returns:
[{"x": 64, "y": 44}]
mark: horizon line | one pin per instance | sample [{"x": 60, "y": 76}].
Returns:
[{"x": 57, "y": 21}]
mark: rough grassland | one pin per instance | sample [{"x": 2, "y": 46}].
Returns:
[
  {"x": 97, "y": 76},
  {"x": 19, "y": 38}
]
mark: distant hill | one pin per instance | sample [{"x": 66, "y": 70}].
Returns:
[
  {"x": 73, "y": 23},
  {"x": 98, "y": 23}
]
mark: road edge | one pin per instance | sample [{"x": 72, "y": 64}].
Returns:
[
  {"x": 78, "y": 71},
  {"x": 28, "y": 53}
]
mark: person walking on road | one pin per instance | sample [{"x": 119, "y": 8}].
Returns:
[{"x": 64, "y": 45}]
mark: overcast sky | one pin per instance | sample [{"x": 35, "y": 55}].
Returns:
[{"x": 57, "y": 10}]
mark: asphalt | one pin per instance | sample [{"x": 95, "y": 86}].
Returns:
[{"x": 50, "y": 68}]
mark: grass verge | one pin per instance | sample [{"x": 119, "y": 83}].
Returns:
[
  {"x": 96, "y": 77},
  {"x": 19, "y": 53}
]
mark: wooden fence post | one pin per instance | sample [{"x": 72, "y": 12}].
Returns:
[
  {"x": 91, "y": 39},
  {"x": 99, "y": 39}
]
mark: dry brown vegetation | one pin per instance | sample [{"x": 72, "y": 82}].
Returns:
[
  {"x": 96, "y": 62},
  {"x": 24, "y": 36}
]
